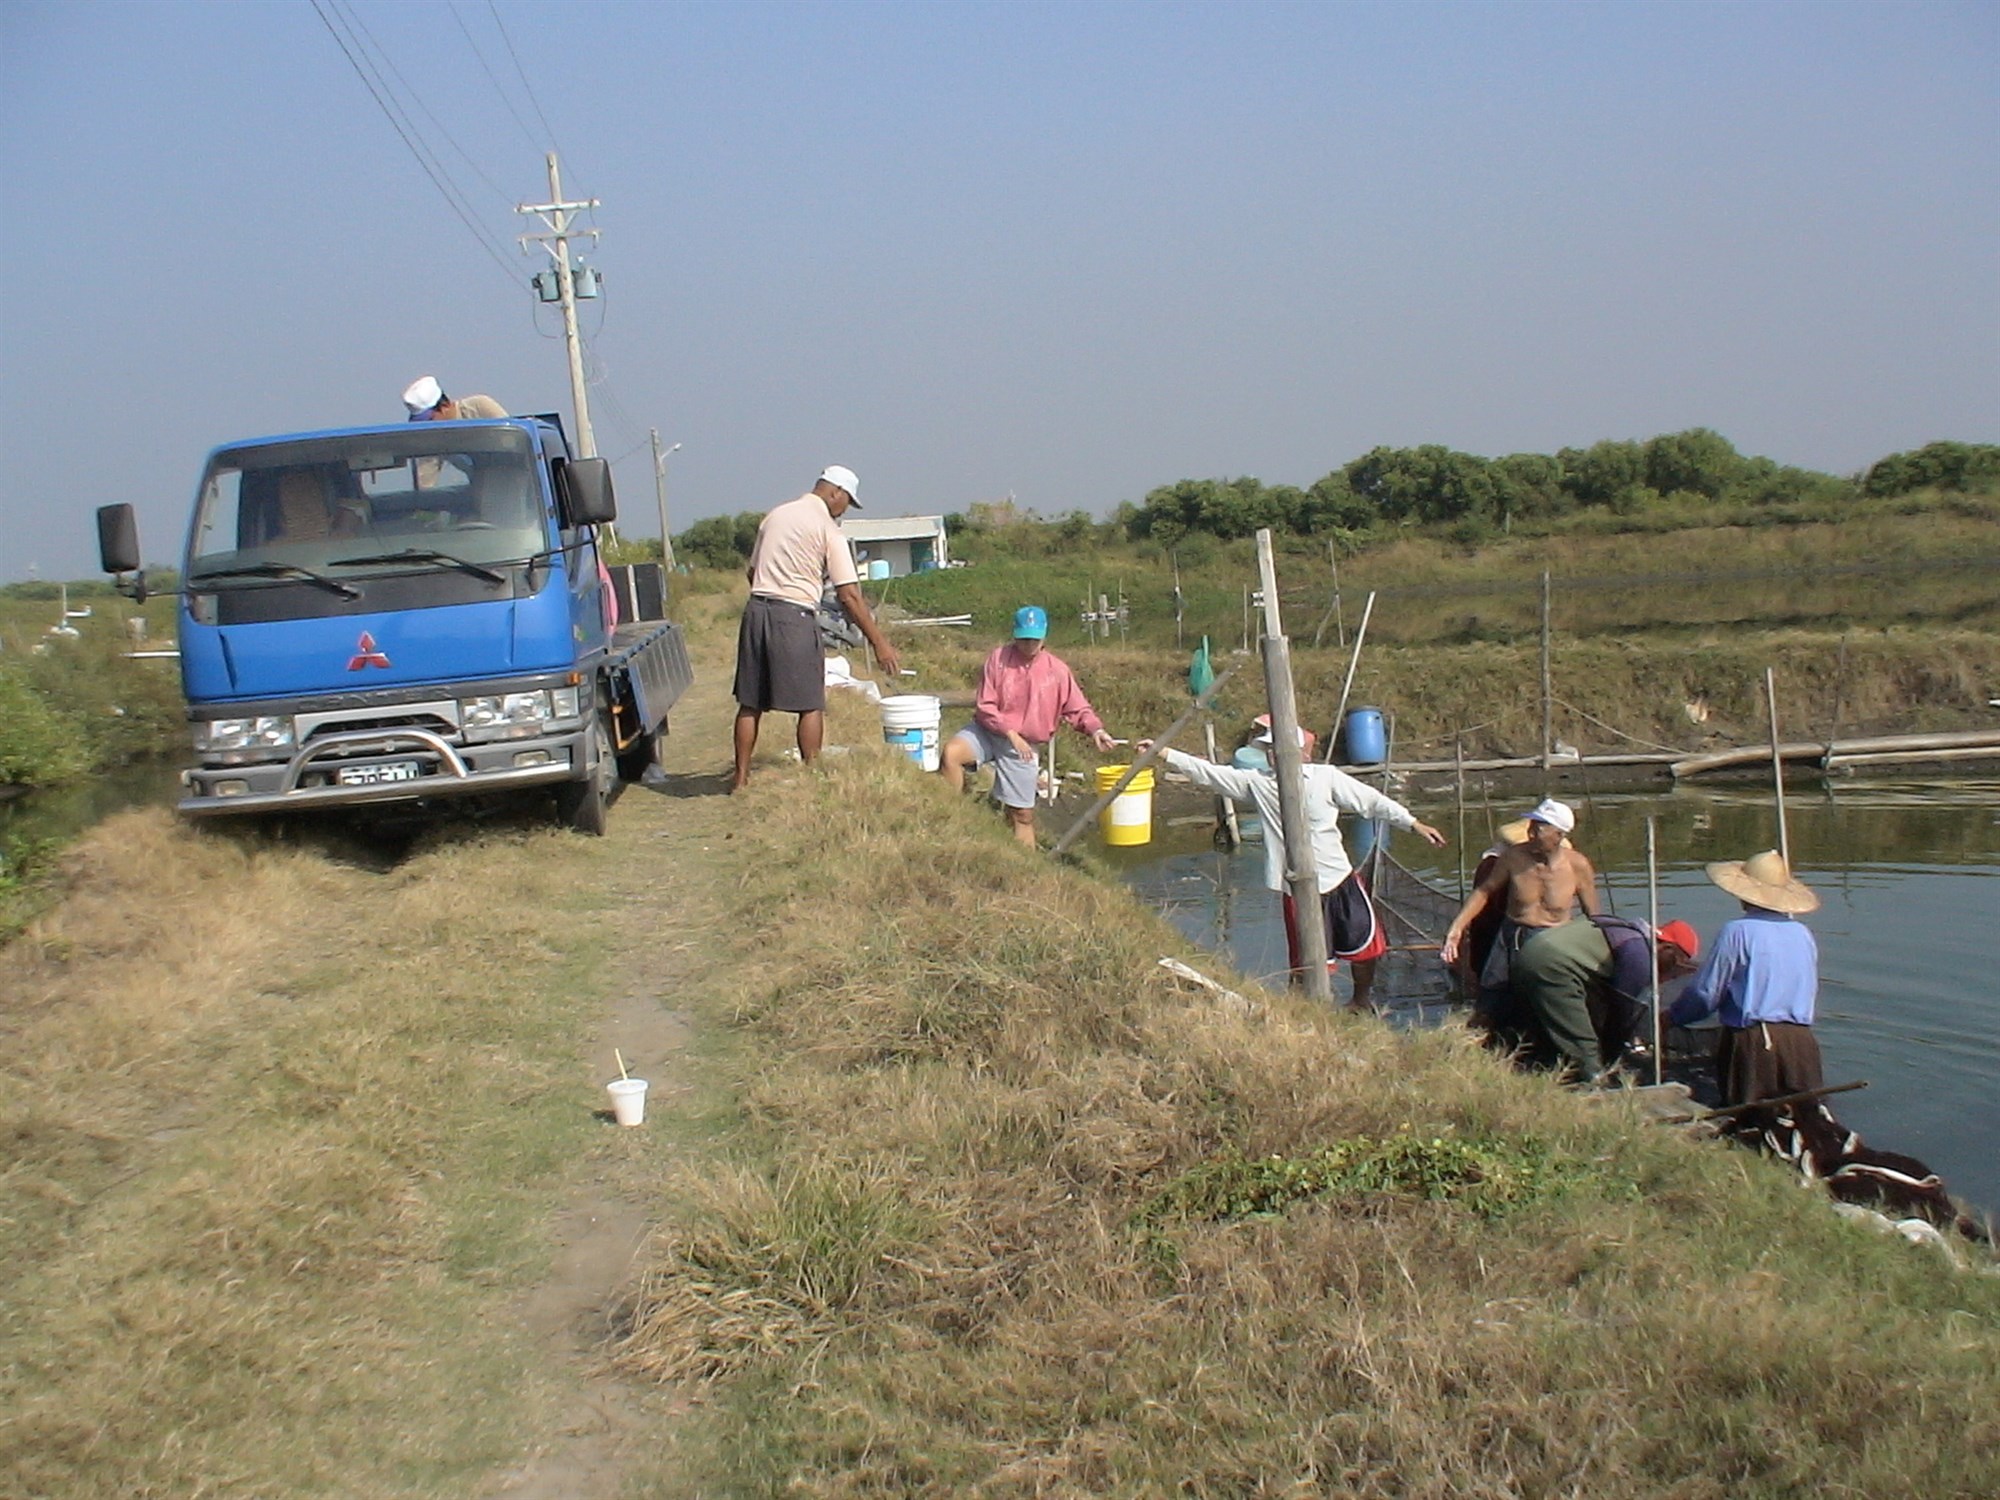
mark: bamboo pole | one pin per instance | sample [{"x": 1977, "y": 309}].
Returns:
[
  {"x": 1653, "y": 916},
  {"x": 1777, "y": 766},
  {"x": 1353, "y": 661},
  {"x": 1802, "y": 1097},
  {"x": 1303, "y": 871},
  {"x": 1140, "y": 763},
  {"x": 1721, "y": 760}
]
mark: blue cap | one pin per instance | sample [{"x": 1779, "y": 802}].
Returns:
[{"x": 1031, "y": 623}]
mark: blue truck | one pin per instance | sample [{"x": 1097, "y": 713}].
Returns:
[{"x": 407, "y": 614}]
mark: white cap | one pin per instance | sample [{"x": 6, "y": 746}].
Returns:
[
  {"x": 844, "y": 477},
  {"x": 1558, "y": 815},
  {"x": 423, "y": 394}
]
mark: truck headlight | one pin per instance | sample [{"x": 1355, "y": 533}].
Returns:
[
  {"x": 507, "y": 716},
  {"x": 264, "y": 733}
]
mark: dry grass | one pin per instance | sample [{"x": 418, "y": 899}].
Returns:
[
  {"x": 914, "y": 1268},
  {"x": 275, "y": 1123}
]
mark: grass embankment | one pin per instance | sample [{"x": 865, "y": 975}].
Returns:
[
  {"x": 281, "y": 1134},
  {"x": 1011, "y": 1212},
  {"x": 968, "y": 1197},
  {"x": 1879, "y": 564},
  {"x": 1611, "y": 695}
]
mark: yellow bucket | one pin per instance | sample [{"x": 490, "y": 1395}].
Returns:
[{"x": 1128, "y": 818}]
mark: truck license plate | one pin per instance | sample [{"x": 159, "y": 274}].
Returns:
[{"x": 388, "y": 770}]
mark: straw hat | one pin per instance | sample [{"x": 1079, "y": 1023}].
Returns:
[{"x": 1764, "y": 880}]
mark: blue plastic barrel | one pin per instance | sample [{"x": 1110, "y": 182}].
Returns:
[{"x": 1366, "y": 744}]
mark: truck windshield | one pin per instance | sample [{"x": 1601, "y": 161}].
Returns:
[{"x": 437, "y": 497}]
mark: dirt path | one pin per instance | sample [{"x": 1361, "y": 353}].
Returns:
[{"x": 670, "y": 872}]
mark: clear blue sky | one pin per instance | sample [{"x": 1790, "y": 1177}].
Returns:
[{"x": 1066, "y": 251}]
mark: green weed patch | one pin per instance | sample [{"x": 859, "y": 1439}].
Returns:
[{"x": 1488, "y": 1175}]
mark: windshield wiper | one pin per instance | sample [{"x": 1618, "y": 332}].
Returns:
[
  {"x": 279, "y": 570},
  {"x": 422, "y": 554}
]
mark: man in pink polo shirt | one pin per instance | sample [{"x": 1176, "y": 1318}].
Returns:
[
  {"x": 780, "y": 663},
  {"x": 1025, "y": 690}
]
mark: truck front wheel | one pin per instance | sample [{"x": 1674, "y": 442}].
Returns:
[{"x": 581, "y": 805}]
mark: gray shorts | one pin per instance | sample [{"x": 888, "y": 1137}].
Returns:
[
  {"x": 1014, "y": 779},
  {"x": 780, "y": 663}
]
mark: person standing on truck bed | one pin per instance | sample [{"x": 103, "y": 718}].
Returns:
[
  {"x": 427, "y": 402},
  {"x": 779, "y": 662}
]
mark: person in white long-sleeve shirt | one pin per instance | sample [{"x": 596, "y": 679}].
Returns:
[{"x": 1352, "y": 931}]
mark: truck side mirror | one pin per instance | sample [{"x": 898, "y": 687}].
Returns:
[
  {"x": 583, "y": 489},
  {"x": 118, "y": 547}
]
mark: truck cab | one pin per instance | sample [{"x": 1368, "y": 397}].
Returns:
[{"x": 408, "y": 612}]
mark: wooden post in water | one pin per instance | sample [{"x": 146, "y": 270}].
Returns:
[
  {"x": 1303, "y": 874},
  {"x": 1653, "y": 915},
  {"x": 1458, "y": 779},
  {"x": 1777, "y": 766},
  {"x": 1548, "y": 691},
  {"x": 1225, "y": 807},
  {"x": 1353, "y": 661}
]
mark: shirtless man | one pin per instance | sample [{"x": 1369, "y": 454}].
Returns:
[{"x": 1545, "y": 879}]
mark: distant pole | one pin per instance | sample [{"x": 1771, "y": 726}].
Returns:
[
  {"x": 1303, "y": 874},
  {"x": 1777, "y": 765},
  {"x": 660, "y": 489},
  {"x": 1353, "y": 661},
  {"x": 1179, "y": 644},
  {"x": 1548, "y": 690},
  {"x": 560, "y": 218}
]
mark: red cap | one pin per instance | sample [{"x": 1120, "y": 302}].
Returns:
[{"x": 1683, "y": 937}]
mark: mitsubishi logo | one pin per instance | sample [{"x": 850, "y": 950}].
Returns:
[{"x": 365, "y": 654}]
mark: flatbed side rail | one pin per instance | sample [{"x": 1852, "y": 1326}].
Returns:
[{"x": 649, "y": 670}]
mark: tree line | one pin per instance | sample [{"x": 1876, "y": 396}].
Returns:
[
  {"x": 1433, "y": 485},
  {"x": 1473, "y": 497}
]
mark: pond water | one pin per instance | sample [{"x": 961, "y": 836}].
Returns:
[{"x": 1908, "y": 874}]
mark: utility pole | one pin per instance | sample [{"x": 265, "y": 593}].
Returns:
[
  {"x": 559, "y": 217},
  {"x": 660, "y": 488}
]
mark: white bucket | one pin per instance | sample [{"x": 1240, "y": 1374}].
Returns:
[{"x": 910, "y": 723}]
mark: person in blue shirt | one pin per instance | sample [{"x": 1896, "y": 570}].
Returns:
[{"x": 1762, "y": 978}]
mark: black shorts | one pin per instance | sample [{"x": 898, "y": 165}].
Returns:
[
  {"x": 1352, "y": 933},
  {"x": 780, "y": 663}
]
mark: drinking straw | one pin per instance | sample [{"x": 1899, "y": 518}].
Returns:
[{"x": 621, "y": 1063}]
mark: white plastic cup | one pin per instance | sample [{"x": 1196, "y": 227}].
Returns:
[{"x": 628, "y": 1100}]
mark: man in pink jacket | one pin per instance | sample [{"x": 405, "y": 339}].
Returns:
[{"x": 1025, "y": 690}]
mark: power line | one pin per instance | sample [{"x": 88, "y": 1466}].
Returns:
[
  {"x": 501, "y": 26},
  {"x": 353, "y": 18},
  {"x": 526, "y": 134},
  {"x": 432, "y": 170}
]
